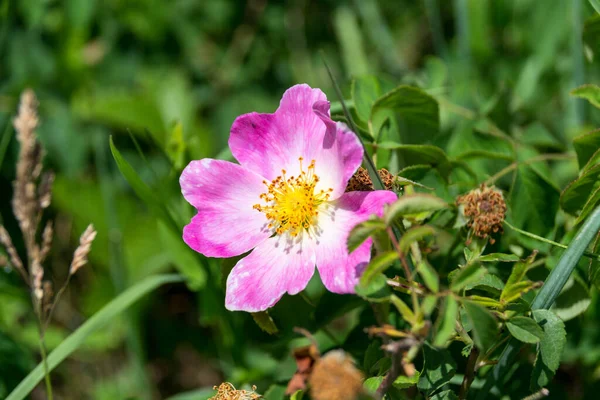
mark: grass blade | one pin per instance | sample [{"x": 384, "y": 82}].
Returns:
[
  {"x": 96, "y": 322},
  {"x": 547, "y": 294}
]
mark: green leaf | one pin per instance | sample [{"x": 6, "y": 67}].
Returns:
[
  {"x": 404, "y": 382},
  {"x": 592, "y": 202},
  {"x": 516, "y": 290},
  {"x": 142, "y": 190},
  {"x": 413, "y": 235},
  {"x": 485, "y": 328},
  {"x": 265, "y": 322},
  {"x": 413, "y": 205},
  {"x": 404, "y": 310},
  {"x": 362, "y": 232},
  {"x": 548, "y": 293},
  {"x": 589, "y": 92},
  {"x": 550, "y": 348},
  {"x": 445, "y": 395},
  {"x": 466, "y": 275},
  {"x": 448, "y": 317},
  {"x": 439, "y": 367},
  {"x": 298, "y": 395},
  {"x": 577, "y": 192},
  {"x": 333, "y": 305},
  {"x": 365, "y": 91},
  {"x": 573, "y": 300},
  {"x": 525, "y": 329},
  {"x": 520, "y": 269},
  {"x": 419, "y": 154},
  {"x": 429, "y": 275},
  {"x": 585, "y": 145},
  {"x": 534, "y": 202},
  {"x": 377, "y": 266},
  {"x": 376, "y": 291},
  {"x": 371, "y": 384},
  {"x": 418, "y": 113},
  {"x": 495, "y": 257},
  {"x": 275, "y": 392},
  {"x": 93, "y": 324},
  {"x": 488, "y": 282},
  {"x": 485, "y": 301}
]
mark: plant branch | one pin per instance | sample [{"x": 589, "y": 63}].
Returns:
[
  {"x": 469, "y": 374},
  {"x": 543, "y": 157},
  {"x": 586, "y": 253}
]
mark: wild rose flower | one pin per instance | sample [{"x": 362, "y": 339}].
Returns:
[{"x": 285, "y": 200}]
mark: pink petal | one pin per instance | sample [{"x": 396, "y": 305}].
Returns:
[
  {"x": 273, "y": 268},
  {"x": 301, "y": 127},
  {"x": 339, "y": 270},
  {"x": 226, "y": 224}
]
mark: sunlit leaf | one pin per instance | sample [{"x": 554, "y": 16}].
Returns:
[{"x": 525, "y": 329}]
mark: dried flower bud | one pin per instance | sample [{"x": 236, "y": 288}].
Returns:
[
  {"x": 226, "y": 391},
  {"x": 82, "y": 251},
  {"x": 485, "y": 208},
  {"x": 361, "y": 181},
  {"x": 335, "y": 377}
]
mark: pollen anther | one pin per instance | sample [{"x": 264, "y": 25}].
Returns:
[{"x": 292, "y": 202}]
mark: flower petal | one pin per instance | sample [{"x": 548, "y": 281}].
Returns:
[
  {"x": 339, "y": 156},
  {"x": 223, "y": 192},
  {"x": 301, "y": 127},
  {"x": 339, "y": 270},
  {"x": 268, "y": 143},
  {"x": 273, "y": 268}
]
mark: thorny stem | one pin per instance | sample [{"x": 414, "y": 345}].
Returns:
[
  {"x": 398, "y": 360},
  {"x": 514, "y": 165},
  {"x": 469, "y": 374},
  {"x": 552, "y": 242}
]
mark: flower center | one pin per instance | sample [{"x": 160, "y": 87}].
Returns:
[{"x": 292, "y": 203}]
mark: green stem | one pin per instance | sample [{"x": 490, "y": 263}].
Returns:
[
  {"x": 46, "y": 368},
  {"x": 552, "y": 242}
]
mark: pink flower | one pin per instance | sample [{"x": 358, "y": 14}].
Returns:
[{"x": 285, "y": 200}]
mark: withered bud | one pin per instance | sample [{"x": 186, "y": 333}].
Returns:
[
  {"x": 485, "y": 209},
  {"x": 361, "y": 181},
  {"x": 226, "y": 391},
  {"x": 335, "y": 377},
  {"x": 3, "y": 261},
  {"x": 82, "y": 251}
]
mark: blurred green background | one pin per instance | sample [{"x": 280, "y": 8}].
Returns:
[{"x": 173, "y": 75}]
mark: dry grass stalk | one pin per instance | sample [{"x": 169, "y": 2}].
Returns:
[
  {"x": 82, "y": 251},
  {"x": 25, "y": 203}
]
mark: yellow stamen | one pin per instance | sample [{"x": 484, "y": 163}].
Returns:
[{"x": 292, "y": 203}]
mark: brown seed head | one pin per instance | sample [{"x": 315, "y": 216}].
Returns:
[
  {"x": 82, "y": 251},
  {"x": 361, "y": 181},
  {"x": 485, "y": 208},
  {"x": 226, "y": 391},
  {"x": 335, "y": 377}
]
